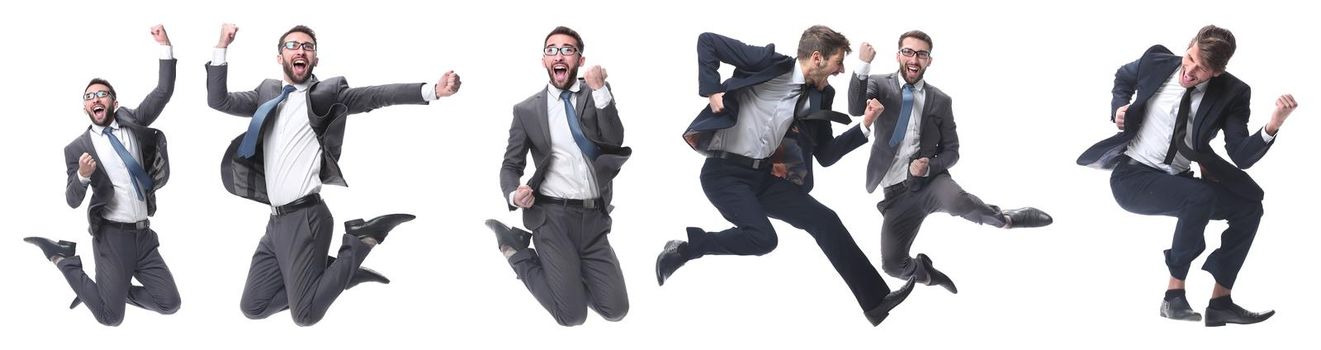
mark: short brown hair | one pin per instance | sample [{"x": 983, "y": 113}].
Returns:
[
  {"x": 823, "y": 39},
  {"x": 566, "y": 31},
  {"x": 102, "y": 82},
  {"x": 296, "y": 29},
  {"x": 916, "y": 34},
  {"x": 1216, "y": 46}
]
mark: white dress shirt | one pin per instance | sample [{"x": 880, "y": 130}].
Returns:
[
  {"x": 898, "y": 171},
  {"x": 290, "y": 148},
  {"x": 765, "y": 113},
  {"x": 571, "y": 175},
  {"x": 124, "y": 205}
]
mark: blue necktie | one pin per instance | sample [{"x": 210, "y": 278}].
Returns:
[
  {"x": 135, "y": 171},
  {"x": 905, "y": 109},
  {"x": 588, "y": 148},
  {"x": 248, "y": 146}
]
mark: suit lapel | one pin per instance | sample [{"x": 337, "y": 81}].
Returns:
[
  {"x": 1210, "y": 100},
  {"x": 542, "y": 119}
]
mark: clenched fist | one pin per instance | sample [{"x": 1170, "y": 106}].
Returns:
[
  {"x": 874, "y": 109},
  {"x": 86, "y": 165},
  {"x": 595, "y": 77},
  {"x": 227, "y": 32},
  {"x": 158, "y": 33},
  {"x": 448, "y": 84},
  {"x": 919, "y": 166},
  {"x": 866, "y": 52}
]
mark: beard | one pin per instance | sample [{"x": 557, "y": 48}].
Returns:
[
  {"x": 569, "y": 78},
  {"x": 289, "y": 72},
  {"x": 903, "y": 71},
  {"x": 109, "y": 117}
]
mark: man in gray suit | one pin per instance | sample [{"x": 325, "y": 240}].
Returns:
[
  {"x": 916, "y": 145},
  {"x": 124, "y": 162},
  {"x": 292, "y": 147},
  {"x": 573, "y": 131}
]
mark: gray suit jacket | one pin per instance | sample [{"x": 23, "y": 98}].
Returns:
[
  {"x": 151, "y": 147},
  {"x": 939, "y": 141},
  {"x": 530, "y": 131},
  {"x": 328, "y": 102}
]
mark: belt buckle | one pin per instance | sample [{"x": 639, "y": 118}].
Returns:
[
  {"x": 589, "y": 203},
  {"x": 756, "y": 163},
  {"x": 275, "y": 211},
  {"x": 140, "y": 225}
]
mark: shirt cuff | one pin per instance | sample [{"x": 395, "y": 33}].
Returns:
[
  {"x": 511, "y": 199},
  {"x": 429, "y": 92},
  {"x": 84, "y": 180},
  {"x": 218, "y": 57},
  {"x": 602, "y": 97},
  {"x": 866, "y": 130},
  {"x": 862, "y": 70},
  {"x": 167, "y": 52},
  {"x": 1267, "y": 136}
]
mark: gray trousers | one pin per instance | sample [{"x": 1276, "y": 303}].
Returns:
[
  {"x": 120, "y": 256},
  {"x": 573, "y": 266},
  {"x": 904, "y": 210},
  {"x": 289, "y": 269}
]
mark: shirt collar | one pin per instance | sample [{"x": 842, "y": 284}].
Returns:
[
  {"x": 114, "y": 126},
  {"x": 555, "y": 92},
  {"x": 797, "y": 77},
  {"x": 899, "y": 79}
]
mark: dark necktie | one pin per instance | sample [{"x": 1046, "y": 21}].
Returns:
[
  {"x": 588, "y": 148},
  {"x": 135, "y": 171},
  {"x": 248, "y": 147},
  {"x": 905, "y": 109},
  {"x": 810, "y": 98},
  {"x": 1178, "y": 142}
]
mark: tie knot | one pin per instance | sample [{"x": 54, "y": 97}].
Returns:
[
  {"x": 288, "y": 89},
  {"x": 908, "y": 87},
  {"x": 564, "y": 95},
  {"x": 107, "y": 130}
]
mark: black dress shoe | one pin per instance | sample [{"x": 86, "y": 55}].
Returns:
[
  {"x": 50, "y": 249},
  {"x": 376, "y": 228},
  {"x": 1028, "y": 217},
  {"x": 670, "y": 259},
  {"x": 880, "y": 312},
  {"x": 930, "y": 276},
  {"x": 362, "y": 275},
  {"x": 1234, "y": 314},
  {"x": 514, "y": 238},
  {"x": 1178, "y": 309}
]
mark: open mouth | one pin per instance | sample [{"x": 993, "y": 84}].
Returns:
[
  {"x": 99, "y": 111},
  {"x": 300, "y": 66},
  {"x": 561, "y": 72}
]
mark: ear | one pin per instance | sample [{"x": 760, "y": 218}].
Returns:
[{"x": 582, "y": 60}]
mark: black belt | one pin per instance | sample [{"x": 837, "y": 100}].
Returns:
[
  {"x": 140, "y": 225},
  {"x": 1124, "y": 158},
  {"x": 300, "y": 203},
  {"x": 590, "y": 203},
  {"x": 764, "y": 163}
]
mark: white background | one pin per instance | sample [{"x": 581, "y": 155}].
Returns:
[{"x": 1031, "y": 87}]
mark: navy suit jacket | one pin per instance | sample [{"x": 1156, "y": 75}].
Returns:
[
  {"x": 1224, "y": 108},
  {"x": 811, "y": 135}
]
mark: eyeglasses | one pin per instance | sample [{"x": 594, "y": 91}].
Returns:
[
  {"x": 910, "y": 52},
  {"x": 565, "y": 50},
  {"x": 95, "y": 94},
  {"x": 294, "y": 45}
]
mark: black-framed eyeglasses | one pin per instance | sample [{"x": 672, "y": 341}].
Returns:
[
  {"x": 907, "y": 52},
  {"x": 95, "y": 94},
  {"x": 563, "y": 50},
  {"x": 294, "y": 45}
]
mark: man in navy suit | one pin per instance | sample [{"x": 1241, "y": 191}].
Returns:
[
  {"x": 1182, "y": 103},
  {"x": 759, "y": 133}
]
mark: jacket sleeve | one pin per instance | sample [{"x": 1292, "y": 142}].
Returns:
[
  {"x": 154, "y": 103},
  {"x": 713, "y": 49},
  {"x": 74, "y": 191},
  {"x": 241, "y": 103},
  {"x": 515, "y": 160}
]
